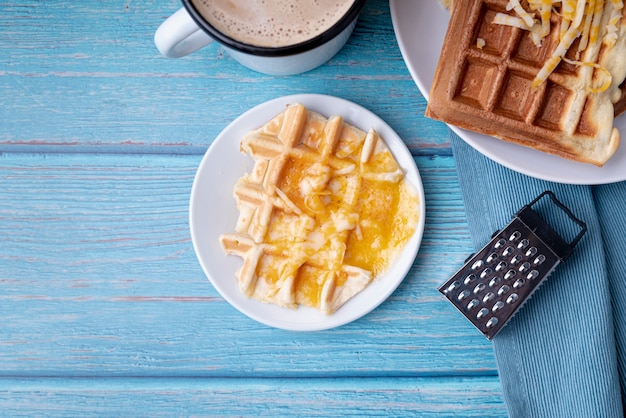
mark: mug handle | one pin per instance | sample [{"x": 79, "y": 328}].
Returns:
[{"x": 179, "y": 35}]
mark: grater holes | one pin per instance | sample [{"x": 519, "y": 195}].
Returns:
[
  {"x": 497, "y": 306},
  {"x": 492, "y": 322},
  {"x": 482, "y": 313},
  {"x": 479, "y": 288},
  {"x": 478, "y": 264},
  {"x": 513, "y": 297},
  {"x": 510, "y": 274},
  {"x": 495, "y": 281},
  {"x": 533, "y": 275},
  {"x": 473, "y": 303},
  {"x": 453, "y": 286},
  {"x": 492, "y": 257}
]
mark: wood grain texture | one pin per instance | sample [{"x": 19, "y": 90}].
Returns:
[
  {"x": 102, "y": 279},
  {"x": 310, "y": 397},
  {"x": 105, "y": 308},
  {"x": 92, "y": 79}
]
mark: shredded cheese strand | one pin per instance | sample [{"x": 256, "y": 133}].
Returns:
[
  {"x": 580, "y": 19},
  {"x": 608, "y": 78},
  {"x": 566, "y": 41},
  {"x": 546, "y": 7},
  {"x": 526, "y": 17},
  {"x": 584, "y": 38},
  {"x": 616, "y": 14}
]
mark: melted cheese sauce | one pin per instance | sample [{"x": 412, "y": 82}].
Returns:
[
  {"x": 352, "y": 221},
  {"x": 379, "y": 231},
  {"x": 325, "y": 211}
]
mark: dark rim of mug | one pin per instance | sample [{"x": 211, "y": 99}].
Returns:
[{"x": 351, "y": 15}]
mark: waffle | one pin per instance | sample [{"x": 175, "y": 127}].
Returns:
[
  {"x": 486, "y": 82},
  {"x": 324, "y": 211},
  {"x": 620, "y": 106}
]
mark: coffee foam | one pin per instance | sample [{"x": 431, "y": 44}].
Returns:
[{"x": 272, "y": 23}]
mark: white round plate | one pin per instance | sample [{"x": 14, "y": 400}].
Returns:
[
  {"x": 420, "y": 27},
  {"x": 212, "y": 211}
]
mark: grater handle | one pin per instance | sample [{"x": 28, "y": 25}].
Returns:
[{"x": 567, "y": 211}]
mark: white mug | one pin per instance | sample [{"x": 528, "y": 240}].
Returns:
[{"x": 187, "y": 30}]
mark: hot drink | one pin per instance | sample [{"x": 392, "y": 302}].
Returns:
[{"x": 272, "y": 23}]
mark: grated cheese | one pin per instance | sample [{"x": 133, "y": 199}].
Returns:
[
  {"x": 523, "y": 14},
  {"x": 506, "y": 19},
  {"x": 616, "y": 14},
  {"x": 606, "y": 76},
  {"x": 580, "y": 19}
]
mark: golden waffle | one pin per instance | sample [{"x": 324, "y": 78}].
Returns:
[
  {"x": 620, "y": 105},
  {"x": 324, "y": 210},
  {"x": 484, "y": 83}
]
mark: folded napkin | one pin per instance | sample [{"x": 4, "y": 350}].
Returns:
[{"x": 563, "y": 353}]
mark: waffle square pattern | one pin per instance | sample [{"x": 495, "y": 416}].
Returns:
[
  {"x": 324, "y": 211},
  {"x": 554, "y": 93}
]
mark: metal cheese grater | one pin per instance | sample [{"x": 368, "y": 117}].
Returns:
[{"x": 495, "y": 282}]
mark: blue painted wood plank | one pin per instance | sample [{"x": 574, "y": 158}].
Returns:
[
  {"x": 100, "y": 290},
  {"x": 92, "y": 79},
  {"x": 397, "y": 397},
  {"x": 99, "y": 278}
]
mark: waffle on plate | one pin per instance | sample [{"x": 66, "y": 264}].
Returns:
[
  {"x": 324, "y": 211},
  {"x": 543, "y": 74}
]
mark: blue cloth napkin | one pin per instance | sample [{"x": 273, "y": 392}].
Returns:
[{"x": 563, "y": 353}]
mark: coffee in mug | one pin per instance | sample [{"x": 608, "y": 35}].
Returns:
[
  {"x": 272, "y": 24},
  {"x": 278, "y": 37}
]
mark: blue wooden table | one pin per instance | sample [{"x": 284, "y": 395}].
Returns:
[{"x": 105, "y": 309}]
